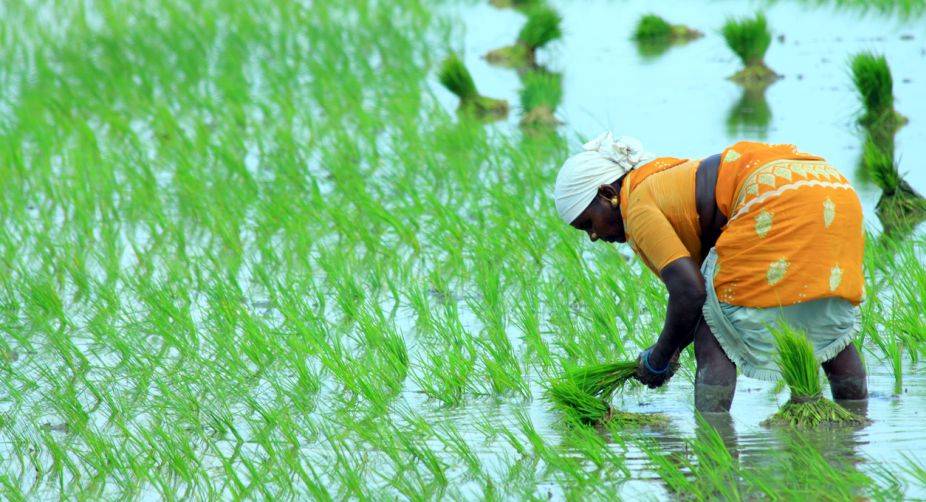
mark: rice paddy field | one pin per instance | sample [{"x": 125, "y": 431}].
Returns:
[{"x": 250, "y": 250}]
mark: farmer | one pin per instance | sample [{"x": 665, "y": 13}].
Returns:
[{"x": 757, "y": 235}]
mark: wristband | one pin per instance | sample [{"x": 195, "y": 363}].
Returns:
[{"x": 650, "y": 368}]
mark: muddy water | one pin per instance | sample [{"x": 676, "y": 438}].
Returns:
[{"x": 681, "y": 104}]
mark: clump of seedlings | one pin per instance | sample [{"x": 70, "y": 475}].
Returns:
[
  {"x": 806, "y": 408},
  {"x": 540, "y": 95},
  {"x": 750, "y": 39},
  {"x": 582, "y": 395},
  {"x": 542, "y": 27},
  {"x": 872, "y": 77},
  {"x": 654, "y": 35},
  {"x": 457, "y": 79},
  {"x": 652, "y": 27},
  {"x": 898, "y": 200}
]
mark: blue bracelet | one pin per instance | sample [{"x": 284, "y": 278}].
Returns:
[{"x": 650, "y": 368}]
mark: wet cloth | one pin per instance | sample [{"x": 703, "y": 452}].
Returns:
[
  {"x": 659, "y": 212},
  {"x": 603, "y": 161},
  {"x": 794, "y": 231},
  {"x": 743, "y": 332}
]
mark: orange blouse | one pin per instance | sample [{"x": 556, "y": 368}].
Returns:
[{"x": 660, "y": 216}]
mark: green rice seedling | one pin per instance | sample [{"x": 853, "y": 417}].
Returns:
[
  {"x": 712, "y": 473},
  {"x": 576, "y": 404},
  {"x": 540, "y": 95},
  {"x": 593, "y": 445},
  {"x": 915, "y": 468},
  {"x": 602, "y": 380},
  {"x": 457, "y": 79},
  {"x": 541, "y": 28},
  {"x": 749, "y": 39},
  {"x": 450, "y": 365},
  {"x": 806, "y": 408},
  {"x": 516, "y": 4},
  {"x": 654, "y": 35},
  {"x": 899, "y": 202},
  {"x": 903, "y": 9},
  {"x": 582, "y": 395},
  {"x": 895, "y": 353},
  {"x": 872, "y": 78},
  {"x": 449, "y": 435},
  {"x": 528, "y": 320},
  {"x": 883, "y": 170}
]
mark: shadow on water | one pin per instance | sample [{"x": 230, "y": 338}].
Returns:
[{"x": 751, "y": 114}]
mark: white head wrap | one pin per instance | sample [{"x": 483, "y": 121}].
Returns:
[{"x": 602, "y": 161}]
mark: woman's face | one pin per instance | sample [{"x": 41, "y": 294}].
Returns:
[{"x": 601, "y": 220}]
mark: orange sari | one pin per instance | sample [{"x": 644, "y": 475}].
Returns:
[{"x": 794, "y": 230}]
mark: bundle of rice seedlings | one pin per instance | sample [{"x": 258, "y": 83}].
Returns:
[
  {"x": 807, "y": 407},
  {"x": 541, "y": 94},
  {"x": 542, "y": 27},
  {"x": 900, "y": 204},
  {"x": 582, "y": 395},
  {"x": 872, "y": 77},
  {"x": 456, "y": 78},
  {"x": 654, "y": 35},
  {"x": 750, "y": 39},
  {"x": 652, "y": 28}
]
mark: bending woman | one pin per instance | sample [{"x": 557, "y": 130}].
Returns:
[{"x": 743, "y": 240}]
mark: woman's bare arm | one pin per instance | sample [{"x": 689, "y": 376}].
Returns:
[{"x": 683, "y": 279}]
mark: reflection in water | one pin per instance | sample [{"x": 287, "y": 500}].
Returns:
[
  {"x": 722, "y": 423},
  {"x": 751, "y": 114},
  {"x": 781, "y": 462},
  {"x": 650, "y": 50}
]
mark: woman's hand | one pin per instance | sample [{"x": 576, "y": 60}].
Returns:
[
  {"x": 683, "y": 279},
  {"x": 653, "y": 372}
]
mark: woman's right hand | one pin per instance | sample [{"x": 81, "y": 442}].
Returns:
[{"x": 654, "y": 376}]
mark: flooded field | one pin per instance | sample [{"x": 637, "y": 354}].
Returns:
[
  {"x": 251, "y": 250},
  {"x": 681, "y": 103}
]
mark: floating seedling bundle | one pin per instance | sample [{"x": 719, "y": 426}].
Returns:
[
  {"x": 541, "y": 28},
  {"x": 457, "y": 79},
  {"x": 750, "y": 39},
  {"x": 582, "y": 394},
  {"x": 801, "y": 372},
  {"x": 654, "y": 35},
  {"x": 872, "y": 77},
  {"x": 540, "y": 96},
  {"x": 653, "y": 28}
]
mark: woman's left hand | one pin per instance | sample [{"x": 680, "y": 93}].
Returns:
[{"x": 654, "y": 374}]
